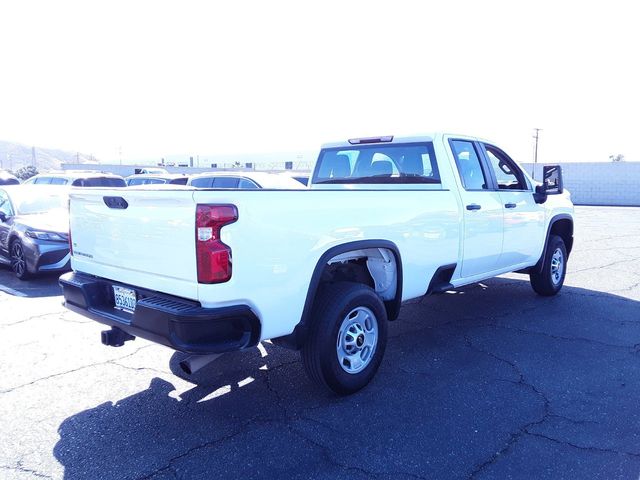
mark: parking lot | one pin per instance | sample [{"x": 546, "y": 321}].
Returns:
[{"x": 490, "y": 381}]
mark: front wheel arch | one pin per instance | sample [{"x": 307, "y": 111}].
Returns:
[
  {"x": 21, "y": 272},
  {"x": 562, "y": 226}
]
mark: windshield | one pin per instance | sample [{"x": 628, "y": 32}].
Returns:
[
  {"x": 32, "y": 202},
  {"x": 380, "y": 163}
]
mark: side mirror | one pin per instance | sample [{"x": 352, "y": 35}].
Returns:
[
  {"x": 3, "y": 217},
  {"x": 551, "y": 183},
  {"x": 552, "y": 179}
]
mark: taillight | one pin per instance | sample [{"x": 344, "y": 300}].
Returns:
[{"x": 213, "y": 256}]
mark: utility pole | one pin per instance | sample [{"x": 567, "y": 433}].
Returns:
[
  {"x": 120, "y": 154},
  {"x": 535, "y": 152}
]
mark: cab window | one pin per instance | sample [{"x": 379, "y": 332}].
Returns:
[{"x": 379, "y": 164}]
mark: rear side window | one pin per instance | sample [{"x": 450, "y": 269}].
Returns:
[
  {"x": 225, "y": 182},
  {"x": 202, "y": 182},
  {"x": 246, "y": 183},
  {"x": 469, "y": 167},
  {"x": 215, "y": 182},
  {"x": 59, "y": 181},
  {"x": 179, "y": 181},
  {"x": 42, "y": 180},
  {"x": 376, "y": 164}
]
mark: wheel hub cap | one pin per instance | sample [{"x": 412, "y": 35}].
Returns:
[
  {"x": 357, "y": 340},
  {"x": 18, "y": 263},
  {"x": 557, "y": 266}
]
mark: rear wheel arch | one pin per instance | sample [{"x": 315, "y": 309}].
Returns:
[{"x": 322, "y": 274}]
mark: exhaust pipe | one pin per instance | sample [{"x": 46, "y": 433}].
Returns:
[
  {"x": 194, "y": 363},
  {"x": 115, "y": 337}
]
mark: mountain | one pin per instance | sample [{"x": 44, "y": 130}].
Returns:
[{"x": 15, "y": 155}]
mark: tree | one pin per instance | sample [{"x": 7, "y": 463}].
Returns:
[
  {"x": 616, "y": 158},
  {"x": 24, "y": 173}
]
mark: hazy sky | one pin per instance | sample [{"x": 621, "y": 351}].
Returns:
[{"x": 157, "y": 78}]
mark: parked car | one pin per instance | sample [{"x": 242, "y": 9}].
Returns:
[
  {"x": 321, "y": 269},
  {"x": 156, "y": 179},
  {"x": 34, "y": 229},
  {"x": 243, "y": 180},
  {"x": 301, "y": 177},
  {"x": 7, "y": 179},
  {"x": 78, "y": 179},
  {"x": 152, "y": 170}
]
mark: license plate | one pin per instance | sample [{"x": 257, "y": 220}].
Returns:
[{"x": 125, "y": 298}]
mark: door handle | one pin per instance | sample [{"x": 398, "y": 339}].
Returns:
[
  {"x": 510, "y": 205},
  {"x": 474, "y": 206}
]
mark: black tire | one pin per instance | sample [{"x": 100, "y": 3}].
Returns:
[
  {"x": 549, "y": 281},
  {"x": 333, "y": 305},
  {"x": 18, "y": 260}
]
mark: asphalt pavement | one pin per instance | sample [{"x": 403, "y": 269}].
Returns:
[{"x": 491, "y": 381}]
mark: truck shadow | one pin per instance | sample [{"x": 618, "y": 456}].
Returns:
[
  {"x": 44, "y": 285},
  {"x": 257, "y": 407}
]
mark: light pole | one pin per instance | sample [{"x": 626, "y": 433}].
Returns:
[{"x": 535, "y": 152}]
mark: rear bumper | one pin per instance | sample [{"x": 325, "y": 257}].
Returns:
[{"x": 172, "y": 321}]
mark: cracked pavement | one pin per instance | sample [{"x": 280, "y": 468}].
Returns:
[{"x": 490, "y": 381}]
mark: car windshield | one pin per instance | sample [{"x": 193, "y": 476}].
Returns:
[
  {"x": 380, "y": 163},
  {"x": 32, "y": 202}
]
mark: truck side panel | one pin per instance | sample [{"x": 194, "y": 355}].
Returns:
[{"x": 280, "y": 236}]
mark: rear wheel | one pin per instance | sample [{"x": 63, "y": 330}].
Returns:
[
  {"x": 18, "y": 260},
  {"x": 347, "y": 338},
  {"x": 549, "y": 281}
]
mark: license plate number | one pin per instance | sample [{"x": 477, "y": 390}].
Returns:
[{"x": 125, "y": 298}]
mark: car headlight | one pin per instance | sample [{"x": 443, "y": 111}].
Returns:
[{"x": 51, "y": 236}]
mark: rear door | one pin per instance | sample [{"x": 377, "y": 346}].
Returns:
[
  {"x": 524, "y": 219},
  {"x": 482, "y": 207}
]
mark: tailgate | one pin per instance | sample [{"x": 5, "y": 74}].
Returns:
[{"x": 148, "y": 240}]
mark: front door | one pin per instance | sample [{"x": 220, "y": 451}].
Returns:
[
  {"x": 482, "y": 211},
  {"x": 524, "y": 219}
]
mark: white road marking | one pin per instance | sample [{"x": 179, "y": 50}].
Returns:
[{"x": 11, "y": 291}]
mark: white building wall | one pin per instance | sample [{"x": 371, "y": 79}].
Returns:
[{"x": 599, "y": 183}]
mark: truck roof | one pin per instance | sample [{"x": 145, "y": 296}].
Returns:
[{"x": 394, "y": 139}]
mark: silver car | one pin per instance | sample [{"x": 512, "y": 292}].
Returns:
[{"x": 34, "y": 229}]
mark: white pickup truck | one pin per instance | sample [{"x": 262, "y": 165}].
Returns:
[{"x": 320, "y": 269}]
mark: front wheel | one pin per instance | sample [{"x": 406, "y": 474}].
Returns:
[
  {"x": 549, "y": 281},
  {"x": 18, "y": 260},
  {"x": 347, "y": 338}
]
